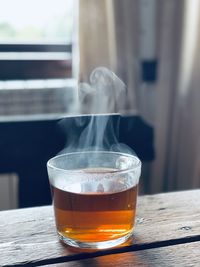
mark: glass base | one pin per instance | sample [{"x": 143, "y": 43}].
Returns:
[{"x": 95, "y": 245}]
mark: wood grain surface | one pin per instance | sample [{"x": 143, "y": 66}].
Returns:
[
  {"x": 28, "y": 236},
  {"x": 184, "y": 255}
]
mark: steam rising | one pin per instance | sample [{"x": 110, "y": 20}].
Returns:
[{"x": 102, "y": 96}]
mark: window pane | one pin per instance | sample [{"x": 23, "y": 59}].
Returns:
[{"x": 36, "y": 21}]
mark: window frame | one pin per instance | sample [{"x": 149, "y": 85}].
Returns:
[{"x": 35, "y": 67}]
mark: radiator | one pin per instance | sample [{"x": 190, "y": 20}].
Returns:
[{"x": 8, "y": 191}]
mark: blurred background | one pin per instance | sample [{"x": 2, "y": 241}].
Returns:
[{"x": 47, "y": 46}]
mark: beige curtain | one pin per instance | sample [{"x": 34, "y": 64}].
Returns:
[
  {"x": 177, "y": 124},
  {"x": 95, "y": 39},
  {"x": 170, "y": 29},
  {"x": 107, "y": 37},
  {"x": 184, "y": 156},
  {"x": 110, "y": 36}
]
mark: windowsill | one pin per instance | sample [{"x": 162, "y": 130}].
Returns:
[
  {"x": 34, "y": 117},
  {"x": 35, "y": 56},
  {"x": 36, "y": 84}
]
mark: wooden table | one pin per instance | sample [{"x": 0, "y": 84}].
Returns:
[{"x": 167, "y": 233}]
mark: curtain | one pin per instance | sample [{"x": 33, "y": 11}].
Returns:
[
  {"x": 184, "y": 156},
  {"x": 110, "y": 35},
  {"x": 170, "y": 26},
  {"x": 177, "y": 124},
  {"x": 107, "y": 35}
]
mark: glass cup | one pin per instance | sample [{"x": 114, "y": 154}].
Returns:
[{"x": 94, "y": 197}]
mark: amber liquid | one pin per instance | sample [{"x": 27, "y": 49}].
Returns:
[{"x": 94, "y": 217}]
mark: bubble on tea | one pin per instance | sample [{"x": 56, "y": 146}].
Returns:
[{"x": 124, "y": 163}]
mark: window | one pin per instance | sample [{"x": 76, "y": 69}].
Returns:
[
  {"x": 36, "y": 20},
  {"x": 36, "y": 55},
  {"x": 36, "y": 39}
]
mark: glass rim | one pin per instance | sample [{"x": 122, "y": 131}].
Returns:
[{"x": 80, "y": 171}]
